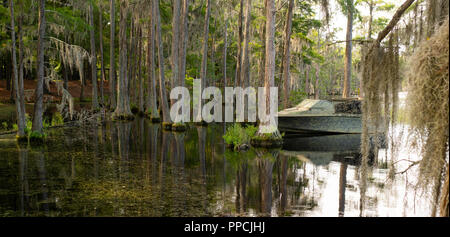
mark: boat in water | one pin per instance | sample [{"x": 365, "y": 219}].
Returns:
[{"x": 322, "y": 117}]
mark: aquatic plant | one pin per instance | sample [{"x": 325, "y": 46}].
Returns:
[{"x": 236, "y": 135}]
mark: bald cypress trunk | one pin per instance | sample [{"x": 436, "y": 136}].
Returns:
[
  {"x": 348, "y": 51},
  {"x": 93, "y": 58},
  {"x": 204, "y": 66},
  {"x": 245, "y": 68},
  {"x": 102, "y": 63},
  {"x": 162, "y": 87},
  {"x": 18, "y": 91},
  {"x": 239, "y": 47},
  {"x": 285, "y": 69},
  {"x": 112, "y": 62},
  {"x": 123, "y": 101},
  {"x": 39, "y": 92},
  {"x": 175, "y": 42},
  {"x": 152, "y": 108},
  {"x": 184, "y": 41}
]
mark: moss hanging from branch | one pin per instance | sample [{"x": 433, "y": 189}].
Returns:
[{"x": 428, "y": 106}]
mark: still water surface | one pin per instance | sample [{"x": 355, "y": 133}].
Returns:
[{"x": 136, "y": 169}]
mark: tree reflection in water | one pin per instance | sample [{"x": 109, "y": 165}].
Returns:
[{"x": 137, "y": 169}]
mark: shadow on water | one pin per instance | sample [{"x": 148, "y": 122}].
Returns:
[{"x": 137, "y": 169}]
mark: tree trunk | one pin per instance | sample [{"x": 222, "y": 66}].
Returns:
[
  {"x": 371, "y": 6},
  {"x": 175, "y": 44},
  {"x": 152, "y": 108},
  {"x": 162, "y": 86},
  {"x": 225, "y": 45},
  {"x": 19, "y": 91},
  {"x": 245, "y": 68},
  {"x": 316, "y": 84},
  {"x": 205, "y": 50},
  {"x": 183, "y": 43},
  {"x": 285, "y": 69},
  {"x": 348, "y": 50},
  {"x": 21, "y": 72},
  {"x": 239, "y": 47},
  {"x": 444, "y": 208},
  {"x": 112, "y": 62},
  {"x": 140, "y": 80},
  {"x": 93, "y": 58},
  {"x": 102, "y": 63},
  {"x": 307, "y": 89},
  {"x": 269, "y": 74},
  {"x": 132, "y": 61},
  {"x": 123, "y": 100},
  {"x": 213, "y": 57},
  {"x": 39, "y": 92}
]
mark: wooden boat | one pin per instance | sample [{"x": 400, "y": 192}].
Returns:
[{"x": 318, "y": 117}]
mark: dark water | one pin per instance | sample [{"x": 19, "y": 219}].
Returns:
[{"x": 136, "y": 169}]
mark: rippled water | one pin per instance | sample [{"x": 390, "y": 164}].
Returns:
[{"x": 136, "y": 169}]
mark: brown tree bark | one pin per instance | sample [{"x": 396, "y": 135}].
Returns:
[
  {"x": 123, "y": 110},
  {"x": 39, "y": 92},
  {"x": 152, "y": 108},
  {"x": 175, "y": 43},
  {"x": 348, "y": 51},
  {"x": 162, "y": 86},
  {"x": 93, "y": 58},
  {"x": 102, "y": 63},
  {"x": 18, "y": 91},
  {"x": 245, "y": 68},
  {"x": 112, "y": 62},
  {"x": 239, "y": 47},
  {"x": 285, "y": 69}
]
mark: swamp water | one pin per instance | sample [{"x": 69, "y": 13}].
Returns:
[{"x": 136, "y": 169}]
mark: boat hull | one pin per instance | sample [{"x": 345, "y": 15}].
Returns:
[{"x": 323, "y": 124}]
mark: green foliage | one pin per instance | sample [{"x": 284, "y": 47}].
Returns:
[
  {"x": 237, "y": 135},
  {"x": 297, "y": 96},
  {"x": 57, "y": 119},
  {"x": 5, "y": 125}
]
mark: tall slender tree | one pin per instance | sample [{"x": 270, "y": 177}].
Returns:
[
  {"x": 349, "y": 9},
  {"x": 39, "y": 92},
  {"x": 269, "y": 77},
  {"x": 175, "y": 42},
  {"x": 162, "y": 87},
  {"x": 285, "y": 69},
  {"x": 102, "y": 63},
  {"x": 152, "y": 109},
  {"x": 19, "y": 91},
  {"x": 112, "y": 61},
  {"x": 93, "y": 60},
  {"x": 204, "y": 66},
  {"x": 245, "y": 68}
]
